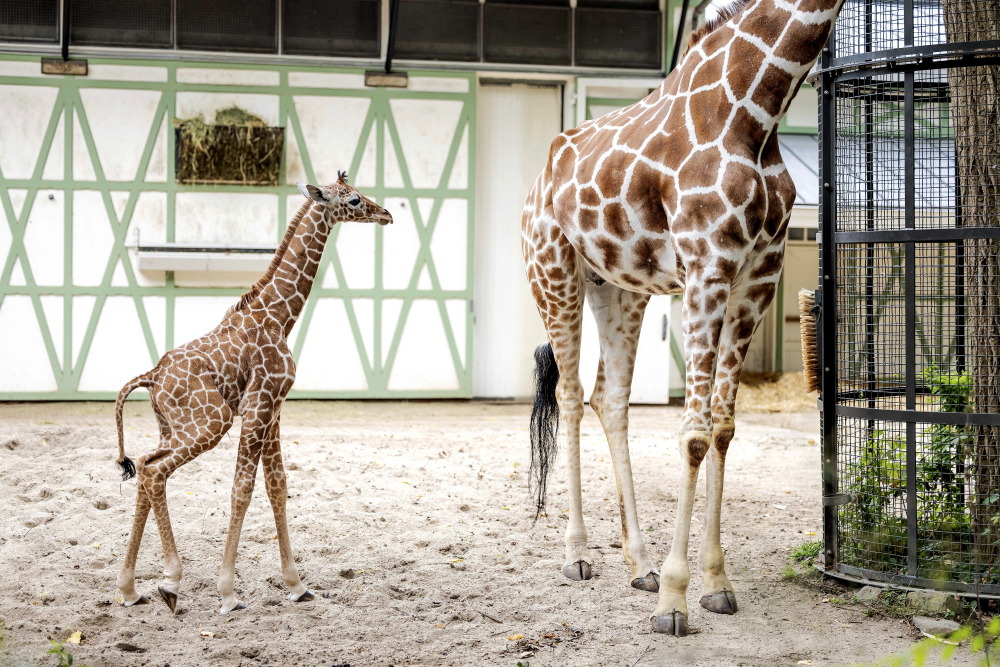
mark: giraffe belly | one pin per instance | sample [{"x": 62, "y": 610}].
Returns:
[{"x": 645, "y": 263}]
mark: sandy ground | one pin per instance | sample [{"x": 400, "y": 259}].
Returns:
[{"x": 413, "y": 522}]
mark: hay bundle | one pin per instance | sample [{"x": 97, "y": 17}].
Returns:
[{"x": 238, "y": 148}]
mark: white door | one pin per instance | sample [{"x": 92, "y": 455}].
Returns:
[{"x": 516, "y": 125}]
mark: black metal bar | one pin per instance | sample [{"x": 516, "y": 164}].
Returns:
[
  {"x": 679, "y": 36},
  {"x": 828, "y": 316},
  {"x": 390, "y": 47},
  {"x": 65, "y": 30},
  {"x": 919, "y": 417},
  {"x": 919, "y": 235},
  {"x": 894, "y": 58},
  {"x": 904, "y": 582},
  {"x": 910, "y": 310}
]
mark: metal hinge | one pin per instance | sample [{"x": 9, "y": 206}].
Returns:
[{"x": 839, "y": 499}]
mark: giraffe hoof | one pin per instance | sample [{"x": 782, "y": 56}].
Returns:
[
  {"x": 651, "y": 582},
  {"x": 235, "y": 607},
  {"x": 169, "y": 597},
  {"x": 142, "y": 599},
  {"x": 723, "y": 602},
  {"x": 675, "y": 623},
  {"x": 303, "y": 597},
  {"x": 578, "y": 571}
]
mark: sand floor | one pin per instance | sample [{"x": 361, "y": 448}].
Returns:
[{"x": 413, "y": 522}]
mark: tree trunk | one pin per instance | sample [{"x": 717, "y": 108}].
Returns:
[{"x": 975, "y": 119}]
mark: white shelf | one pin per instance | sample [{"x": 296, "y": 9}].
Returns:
[{"x": 183, "y": 257}]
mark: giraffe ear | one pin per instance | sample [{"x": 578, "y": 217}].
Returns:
[{"x": 312, "y": 192}]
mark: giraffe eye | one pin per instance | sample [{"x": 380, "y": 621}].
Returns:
[{"x": 354, "y": 201}]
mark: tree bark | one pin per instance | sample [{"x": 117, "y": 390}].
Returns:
[{"x": 975, "y": 120}]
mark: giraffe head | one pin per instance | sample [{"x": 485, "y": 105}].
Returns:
[{"x": 344, "y": 203}]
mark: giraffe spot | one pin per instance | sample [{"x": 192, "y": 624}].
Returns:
[
  {"x": 646, "y": 250},
  {"x": 609, "y": 179},
  {"x": 610, "y": 253},
  {"x": 711, "y": 69},
  {"x": 766, "y": 23},
  {"x": 589, "y": 196},
  {"x": 564, "y": 206},
  {"x": 616, "y": 221},
  {"x": 745, "y": 135},
  {"x": 772, "y": 90},
  {"x": 803, "y": 44},
  {"x": 726, "y": 269},
  {"x": 761, "y": 294},
  {"x": 728, "y": 235},
  {"x": 588, "y": 218},
  {"x": 710, "y": 110},
  {"x": 739, "y": 182},
  {"x": 769, "y": 265},
  {"x": 700, "y": 211},
  {"x": 745, "y": 60},
  {"x": 634, "y": 282},
  {"x": 673, "y": 149},
  {"x": 556, "y": 273},
  {"x": 701, "y": 169},
  {"x": 645, "y": 196}
]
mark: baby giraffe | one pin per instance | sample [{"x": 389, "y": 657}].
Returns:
[{"x": 244, "y": 366}]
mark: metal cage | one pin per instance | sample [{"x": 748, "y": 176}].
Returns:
[{"x": 910, "y": 294}]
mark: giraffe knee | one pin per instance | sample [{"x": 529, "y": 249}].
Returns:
[
  {"x": 694, "y": 446},
  {"x": 722, "y": 435}
]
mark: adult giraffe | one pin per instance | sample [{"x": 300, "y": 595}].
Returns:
[
  {"x": 683, "y": 192},
  {"x": 243, "y": 366}
]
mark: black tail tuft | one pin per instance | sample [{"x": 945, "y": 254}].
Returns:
[
  {"x": 544, "y": 422},
  {"x": 128, "y": 468}
]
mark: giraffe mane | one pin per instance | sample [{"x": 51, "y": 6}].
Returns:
[
  {"x": 720, "y": 19},
  {"x": 254, "y": 291}
]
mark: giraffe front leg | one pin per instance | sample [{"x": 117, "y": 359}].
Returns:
[
  {"x": 126, "y": 577},
  {"x": 718, "y": 595},
  {"x": 277, "y": 492},
  {"x": 671, "y": 613},
  {"x": 246, "y": 472}
]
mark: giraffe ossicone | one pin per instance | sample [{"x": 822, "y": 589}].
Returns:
[
  {"x": 243, "y": 366},
  {"x": 684, "y": 192}
]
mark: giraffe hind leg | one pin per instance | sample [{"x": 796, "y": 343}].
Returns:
[
  {"x": 556, "y": 280},
  {"x": 195, "y": 426}
]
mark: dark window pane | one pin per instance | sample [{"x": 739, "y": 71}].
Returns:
[
  {"x": 536, "y": 3},
  {"x": 811, "y": 234},
  {"x": 143, "y": 23},
  {"x": 620, "y": 4},
  {"x": 29, "y": 20},
  {"x": 796, "y": 233},
  {"x": 524, "y": 34},
  {"x": 334, "y": 28},
  {"x": 227, "y": 25},
  {"x": 437, "y": 30},
  {"x": 618, "y": 38}
]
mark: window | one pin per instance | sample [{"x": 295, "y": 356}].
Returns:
[
  {"x": 227, "y": 25},
  {"x": 438, "y": 30},
  {"x": 338, "y": 28},
  {"x": 141, "y": 23},
  {"x": 530, "y": 34},
  {"x": 29, "y": 20}
]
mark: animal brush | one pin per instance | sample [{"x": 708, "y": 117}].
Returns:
[{"x": 808, "y": 315}]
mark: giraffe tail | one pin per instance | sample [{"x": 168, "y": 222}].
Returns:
[
  {"x": 125, "y": 463},
  {"x": 544, "y": 423}
]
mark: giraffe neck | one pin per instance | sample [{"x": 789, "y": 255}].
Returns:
[
  {"x": 284, "y": 294},
  {"x": 791, "y": 34}
]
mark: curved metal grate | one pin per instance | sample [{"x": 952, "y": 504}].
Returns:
[{"x": 910, "y": 276}]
